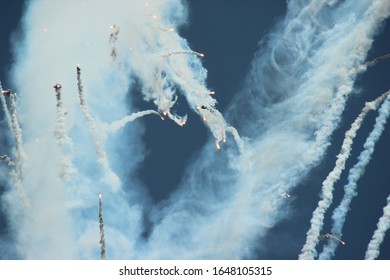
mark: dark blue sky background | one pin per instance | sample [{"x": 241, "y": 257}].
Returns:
[{"x": 227, "y": 32}]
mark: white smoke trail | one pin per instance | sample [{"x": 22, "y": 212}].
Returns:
[
  {"x": 64, "y": 224},
  {"x": 63, "y": 140},
  {"x": 355, "y": 173},
  {"x": 110, "y": 177},
  {"x": 116, "y": 125},
  {"x": 17, "y": 131},
  {"x": 5, "y": 108},
  {"x": 373, "y": 62},
  {"x": 14, "y": 168},
  {"x": 183, "y": 52},
  {"x": 377, "y": 238},
  {"x": 175, "y": 73},
  {"x": 220, "y": 198},
  {"x": 317, "y": 220},
  {"x": 17, "y": 184},
  {"x": 295, "y": 95}
]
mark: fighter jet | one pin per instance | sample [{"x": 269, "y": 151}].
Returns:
[
  {"x": 57, "y": 86},
  {"x": 328, "y": 236},
  {"x": 6, "y": 92}
]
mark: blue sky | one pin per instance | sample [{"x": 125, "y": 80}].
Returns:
[{"x": 228, "y": 32}]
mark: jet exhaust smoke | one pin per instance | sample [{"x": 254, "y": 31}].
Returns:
[
  {"x": 355, "y": 173},
  {"x": 308, "y": 250},
  {"x": 379, "y": 235},
  {"x": 62, "y": 138},
  {"x": 5, "y": 107},
  {"x": 116, "y": 125},
  {"x": 110, "y": 177}
]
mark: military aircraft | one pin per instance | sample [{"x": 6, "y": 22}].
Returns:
[
  {"x": 57, "y": 86},
  {"x": 6, "y": 92}
]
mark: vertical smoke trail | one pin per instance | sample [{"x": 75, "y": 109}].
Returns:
[
  {"x": 340, "y": 213},
  {"x": 59, "y": 129},
  {"x": 110, "y": 177},
  {"x": 5, "y": 107},
  {"x": 112, "y": 41},
  {"x": 383, "y": 225},
  {"x": 63, "y": 141},
  {"x": 16, "y": 183},
  {"x": 317, "y": 220},
  {"x": 13, "y": 123},
  {"x": 101, "y": 226},
  {"x": 15, "y": 169},
  {"x": 21, "y": 155}
]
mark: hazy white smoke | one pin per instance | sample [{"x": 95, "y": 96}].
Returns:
[
  {"x": 379, "y": 234},
  {"x": 317, "y": 220},
  {"x": 292, "y": 101},
  {"x": 355, "y": 173}
]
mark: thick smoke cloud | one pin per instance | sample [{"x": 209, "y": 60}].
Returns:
[{"x": 283, "y": 119}]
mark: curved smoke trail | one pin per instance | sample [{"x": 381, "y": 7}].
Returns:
[
  {"x": 340, "y": 213},
  {"x": 379, "y": 234},
  {"x": 116, "y": 125},
  {"x": 293, "y": 100},
  {"x": 317, "y": 220}
]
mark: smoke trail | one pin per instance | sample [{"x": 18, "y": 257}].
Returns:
[
  {"x": 5, "y": 108},
  {"x": 17, "y": 184},
  {"x": 112, "y": 41},
  {"x": 14, "y": 168},
  {"x": 110, "y": 177},
  {"x": 340, "y": 213},
  {"x": 101, "y": 226},
  {"x": 236, "y": 137},
  {"x": 317, "y": 220},
  {"x": 220, "y": 198},
  {"x": 293, "y": 100},
  {"x": 116, "y": 125},
  {"x": 63, "y": 140},
  {"x": 7, "y": 159},
  {"x": 373, "y": 62},
  {"x": 183, "y": 52},
  {"x": 176, "y": 73},
  {"x": 59, "y": 129},
  {"x": 17, "y": 131},
  {"x": 377, "y": 238}
]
